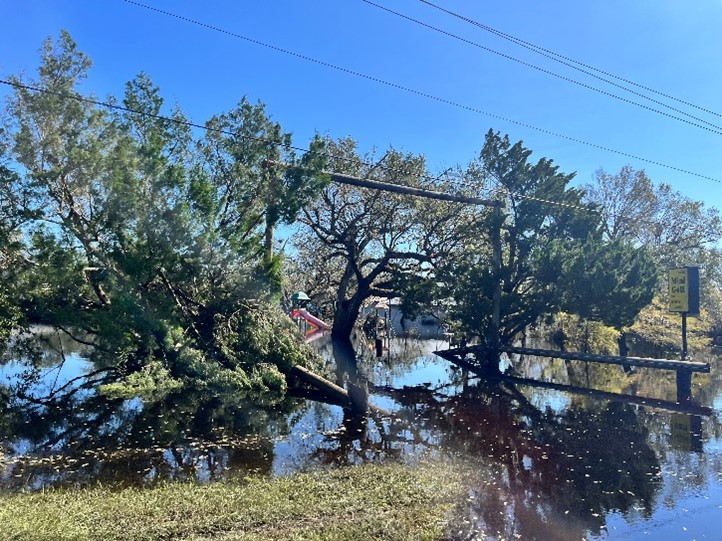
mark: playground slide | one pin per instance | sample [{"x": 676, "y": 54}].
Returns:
[
  {"x": 312, "y": 335},
  {"x": 313, "y": 320}
]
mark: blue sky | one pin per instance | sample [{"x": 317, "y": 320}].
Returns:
[{"x": 668, "y": 45}]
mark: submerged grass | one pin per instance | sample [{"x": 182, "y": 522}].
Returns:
[{"x": 389, "y": 502}]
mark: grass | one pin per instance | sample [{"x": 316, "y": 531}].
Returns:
[{"x": 389, "y": 502}]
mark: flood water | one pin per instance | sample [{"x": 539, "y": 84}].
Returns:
[{"x": 543, "y": 462}]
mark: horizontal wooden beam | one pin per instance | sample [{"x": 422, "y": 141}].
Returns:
[
  {"x": 686, "y": 407},
  {"x": 689, "y": 408},
  {"x": 641, "y": 362}
]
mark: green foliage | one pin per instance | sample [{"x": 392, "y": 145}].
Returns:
[
  {"x": 553, "y": 255},
  {"x": 418, "y": 297},
  {"x": 656, "y": 325},
  {"x": 152, "y": 382},
  {"x": 608, "y": 282},
  {"x": 256, "y": 176},
  {"x": 268, "y": 335},
  {"x": 676, "y": 230},
  {"x": 529, "y": 226},
  {"x": 577, "y": 334},
  {"x": 127, "y": 230},
  {"x": 10, "y": 316},
  {"x": 251, "y": 351}
]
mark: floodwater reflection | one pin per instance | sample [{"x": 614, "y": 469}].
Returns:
[{"x": 540, "y": 463}]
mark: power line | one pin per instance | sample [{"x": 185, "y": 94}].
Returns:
[
  {"x": 423, "y": 94},
  {"x": 711, "y": 127},
  {"x": 369, "y": 182},
  {"x": 570, "y": 62},
  {"x": 115, "y": 107}
]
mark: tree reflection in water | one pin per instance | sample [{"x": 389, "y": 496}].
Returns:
[
  {"x": 532, "y": 473},
  {"x": 186, "y": 436},
  {"x": 535, "y": 468}
]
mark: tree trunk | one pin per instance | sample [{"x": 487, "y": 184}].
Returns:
[
  {"x": 345, "y": 316},
  {"x": 347, "y": 372},
  {"x": 268, "y": 245}
]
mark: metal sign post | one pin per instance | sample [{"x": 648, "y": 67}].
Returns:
[{"x": 684, "y": 298}]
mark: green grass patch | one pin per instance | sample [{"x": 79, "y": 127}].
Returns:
[{"x": 386, "y": 502}]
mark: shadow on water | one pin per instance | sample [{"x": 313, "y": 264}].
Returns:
[
  {"x": 538, "y": 462},
  {"x": 556, "y": 472},
  {"x": 186, "y": 436}
]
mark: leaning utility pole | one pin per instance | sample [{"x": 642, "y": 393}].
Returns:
[
  {"x": 492, "y": 332},
  {"x": 408, "y": 190}
]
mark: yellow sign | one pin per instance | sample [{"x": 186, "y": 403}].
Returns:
[
  {"x": 678, "y": 291},
  {"x": 686, "y": 432},
  {"x": 681, "y": 432},
  {"x": 684, "y": 290}
]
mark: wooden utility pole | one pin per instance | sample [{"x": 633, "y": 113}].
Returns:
[
  {"x": 492, "y": 332},
  {"x": 408, "y": 190},
  {"x": 492, "y": 337}
]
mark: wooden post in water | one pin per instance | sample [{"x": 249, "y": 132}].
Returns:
[
  {"x": 684, "y": 336},
  {"x": 684, "y": 377},
  {"x": 684, "y": 386}
]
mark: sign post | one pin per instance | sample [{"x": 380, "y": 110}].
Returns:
[{"x": 684, "y": 298}]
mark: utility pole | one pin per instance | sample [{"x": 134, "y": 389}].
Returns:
[
  {"x": 492, "y": 334},
  {"x": 408, "y": 190},
  {"x": 492, "y": 337}
]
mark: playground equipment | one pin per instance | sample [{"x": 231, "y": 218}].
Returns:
[
  {"x": 310, "y": 319},
  {"x": 311, "y": 326}
]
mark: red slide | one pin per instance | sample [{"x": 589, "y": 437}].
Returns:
[{"x": 313, "y": 320}]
